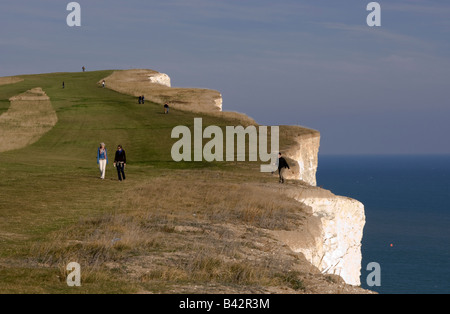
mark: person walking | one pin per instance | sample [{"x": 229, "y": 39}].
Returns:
[
  {"x": 120, "y": 161},
  {"x": 103, "y": 83},
  {"x": 166, "y": 108},
  {"x": 102, "y": 160},
  {"x": 282, "y": 165}
]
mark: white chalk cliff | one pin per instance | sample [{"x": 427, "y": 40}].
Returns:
[
  {"x": 303, "y": 155},
  {"x": 331, "y": 238},
  {"x": 337, "y": 249},
  {"x": 159, "y": 78}
]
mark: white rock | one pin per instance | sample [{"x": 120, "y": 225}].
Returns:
[
  {"x": 305, "y": 152},
  {"x": 337, "y": 248},
  {"x": 160, "y": 78}
]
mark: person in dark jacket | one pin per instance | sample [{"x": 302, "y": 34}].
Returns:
[
  {"x": 120, "y": 161},
  {"x": 282, "y": 165}
]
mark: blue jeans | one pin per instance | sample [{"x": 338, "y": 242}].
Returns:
[{"x": 120, "y": 170}]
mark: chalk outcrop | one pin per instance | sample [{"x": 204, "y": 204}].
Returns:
[
  {"x": 331, "y": 238},
  {"x": 159, "y": 78},
  {"x": 337, "y": 248},
  {"x": 302, "y": 151}
]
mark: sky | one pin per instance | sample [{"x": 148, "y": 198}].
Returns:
[{"x": 368, "y": 90}]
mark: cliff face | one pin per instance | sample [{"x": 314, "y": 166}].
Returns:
[
  {"x": 331, "y": 238},
  {"x": 303, "y": 155},
  {"x": 337, "y": 247}
]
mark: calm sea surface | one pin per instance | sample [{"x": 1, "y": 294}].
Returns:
[{"x": 407, "y": 204}]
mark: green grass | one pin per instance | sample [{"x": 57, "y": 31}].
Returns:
[
  {"x": 51, "y": 195},
  {"x": 58, "y": 172},
  {"x": 49, "y": 186}
]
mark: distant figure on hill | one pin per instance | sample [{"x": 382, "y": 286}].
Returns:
[
  {"x": 102, "y": 160},
  {"x": 84, "y": 69},
  {"x": 63, "y": 84},
  {"x": 282, "y": 165},
  {"x": 140, "y": 99},
  {"x": 143, "y": 99},
  {"x": 120, "y": 161},
  {"x": 103, "y": 83},
  {"x": 166, "y": 108}
]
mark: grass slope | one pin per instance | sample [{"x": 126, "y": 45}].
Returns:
[{"x": 170, "y": 227}]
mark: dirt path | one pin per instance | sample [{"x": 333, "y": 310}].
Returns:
[{"x": 29, "y": 117}]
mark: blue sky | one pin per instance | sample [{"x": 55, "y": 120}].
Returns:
[{"x": 382, "y": 90}]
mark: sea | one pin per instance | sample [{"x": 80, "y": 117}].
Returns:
[{"x": 407, "y": 208}]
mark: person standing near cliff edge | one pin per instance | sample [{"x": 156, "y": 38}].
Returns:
[{"x": 282, "y": 165}]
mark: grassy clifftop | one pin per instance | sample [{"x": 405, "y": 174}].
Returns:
[{"x": 170, "y": 227}]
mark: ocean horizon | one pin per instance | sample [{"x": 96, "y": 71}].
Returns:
[{"x": 407, "y": 216}]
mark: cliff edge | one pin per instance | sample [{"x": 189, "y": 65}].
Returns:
[
  {"x": 299, "y": 144},
  {"x": 331, "y": 240}
]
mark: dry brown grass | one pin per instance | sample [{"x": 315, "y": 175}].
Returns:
[
  {"x": 188, "y": 230},
  {"x": 10, "y": 80},
  {"x": 184, "y": 229},
  {"x": 30, "y": 116}
]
